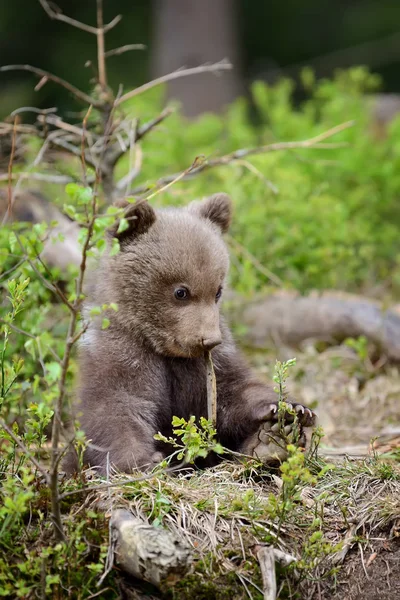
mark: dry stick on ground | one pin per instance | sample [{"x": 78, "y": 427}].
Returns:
[{"x": 266, "y": 559}]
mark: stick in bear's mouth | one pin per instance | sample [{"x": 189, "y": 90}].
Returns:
[{"x": 211, "y": 390}]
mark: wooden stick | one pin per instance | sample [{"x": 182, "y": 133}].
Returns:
[{"x": 211, "y": 391}]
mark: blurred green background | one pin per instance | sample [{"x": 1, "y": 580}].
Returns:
[{"x": 265, "y": 40}]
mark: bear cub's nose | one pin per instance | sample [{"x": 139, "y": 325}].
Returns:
[{"x": 210, "y": 343}]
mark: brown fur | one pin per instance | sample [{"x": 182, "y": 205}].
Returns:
[{"x": 149, "y": 365}]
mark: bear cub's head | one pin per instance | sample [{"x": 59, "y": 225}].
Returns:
[{"x": 169, "y": 275}]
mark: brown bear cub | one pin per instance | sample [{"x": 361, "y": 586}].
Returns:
[{"x": 150, "y": 364}]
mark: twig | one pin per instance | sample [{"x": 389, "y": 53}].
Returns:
[
  {"x": 68, "y": 86},
  {"x": 62, "y": 179},
  {"x": 11, "y": 270},
  {"x": 193, "y": 167},
  {"x": 250, "y": 167},
  {"x": 84, "y": 158},
  {"x": 24, "y": 449},
  {"x": 211, "y": 390},
  {"x": 146, "y": 127},
  {"x": 59, "y": 16},
  {"x": 39, "y": 111},
  {"x": 58, "y": 122},
  {"x": 10, "y": 165},
  {"x": 112, "y": 23},
  {"x": 115, "y": 152},
  {"x": 101, "y": 61},
  {"x": 6, "y": 128},
  {"x": 223, "y": 65},
  {"x": 227, "y": 159},
  {"x": 258, "y": 265},
  {"x": 123, "y": 49}
]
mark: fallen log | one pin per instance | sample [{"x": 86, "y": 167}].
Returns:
[
  {"x": 153, "y": 554},
  {"x": 288, "y": 319}
]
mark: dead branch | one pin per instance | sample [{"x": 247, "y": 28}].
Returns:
[
  {"x": 7, "y": 128},
  {"x": 227, "y": 159},
  {"x": 123, "y": 49},
  {"x": 59, "y": 16},
  {"x": 124, "y": 183},
  {"x": 60, "y": 124},
  {"x": 39, "y": 111},
  {"x": 61, "y": 179},
  {"x": 101, "y": 60},
  {"x": 65, "y": 84},
  {"x": 116, "y": 151},
  {"x": 223, "y": 65},
  {"x": 10, "y": 165}
]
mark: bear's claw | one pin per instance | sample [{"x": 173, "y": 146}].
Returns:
[{"x": 269, "y": 443}]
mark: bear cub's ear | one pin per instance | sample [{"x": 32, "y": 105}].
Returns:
[
  {"x": 140, "y": 216},
  {"x": 217, "y": 209}
]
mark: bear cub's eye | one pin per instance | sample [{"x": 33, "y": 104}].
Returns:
[
  {"x": 181, "y": 293},
  {"x": 218, "y": 294}
]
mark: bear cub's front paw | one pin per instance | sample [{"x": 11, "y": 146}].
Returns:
[{"x": 269, "y": 443}]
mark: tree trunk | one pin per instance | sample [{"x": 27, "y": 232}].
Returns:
[{"x": 188, "y": 33}]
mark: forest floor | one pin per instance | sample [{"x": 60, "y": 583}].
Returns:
[{"x": 338, "y": 514}]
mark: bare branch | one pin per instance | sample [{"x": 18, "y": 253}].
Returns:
[
  {"x": 62, "y": 143},
  {"x": 68, "y": 86},
  {"x": 58, "y": 16},
  {"x": 58, "y": 122},
  {"x": 193, "y": 167},
  {"x": 146, "y": 127},
  {"x": 62, "y": 179},
  {"x": 40, "y": 111},
  {"x": 101, "y": 61},
  {"x": 115, "y": 152},
  {"x": 84, "y": 157},
  {"x": 112, "y": 23},
  {"x": 6, "y": 128},
  {"x": 223, "y": 65},
  {"x": 10, "y": 173},
  {"x": 123, "y": 49},
  {"x": 227, "y": 159},
  {"x": 126, "y": 181}
]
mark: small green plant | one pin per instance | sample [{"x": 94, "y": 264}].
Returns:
[
  {"x": 192, "y": 441},
  {"x": 359, "y": 345}
]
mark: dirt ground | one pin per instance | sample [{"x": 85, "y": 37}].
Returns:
[{"x": 377, "y": 578}]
